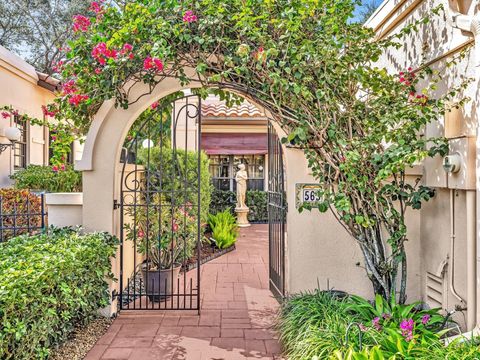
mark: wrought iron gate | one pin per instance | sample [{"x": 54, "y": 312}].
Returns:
[
  {"x": 160, "y": 209},
  {"x": 277, "y": 211}
]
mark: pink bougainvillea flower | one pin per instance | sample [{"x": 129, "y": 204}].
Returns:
[
  {"x": 62, "y": 167},
  {"x": 189, "y": 16},
  {"x": 98, "y": 71},
  {"x": 127, "y": 48},
  {"x": 425, "y": 319},
  {"x": 175, "y": 227},
  {"x": 154, "y": 105},
  {"x": 53, "y": 137},
  {"x": 76, "y": 99},
  {"x": 81, "y": 23},
  {"x": 152, "y": 64},
  {"x": 58, "y": 66},
  {"x": 69, "y": 87},
  {"x": 96, "y": 7},
  {"x": 140, "y": 234},
  {"x": 101, "y": 53},
  {"x": 5, "y": 114},
  {"x": 55, "y": 168},
  {"x": 47, "y": 112}
]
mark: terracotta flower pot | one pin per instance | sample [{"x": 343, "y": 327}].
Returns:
[{"x": 159, "y": 284}]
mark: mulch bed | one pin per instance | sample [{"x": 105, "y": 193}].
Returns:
[
  {"x": 82, "y": 340},
  {"x": 207, "y": 252}
]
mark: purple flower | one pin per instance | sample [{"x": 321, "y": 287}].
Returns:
[
  {"x": 376, "y": 323},
  {"x": 425, "y": 319},
  {"x": 363, "y": 327},
  {"x": 407, "y": 329}
]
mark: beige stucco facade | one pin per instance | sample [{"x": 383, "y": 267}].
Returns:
[
  {"x": 448, "y": 234},
  {"x": 26, "y": 90},
  {"x": 19, "y": 87}
]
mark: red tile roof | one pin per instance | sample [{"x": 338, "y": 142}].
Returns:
[{"x": 220, "y": 109}]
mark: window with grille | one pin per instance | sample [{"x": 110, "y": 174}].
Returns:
[
  {"x": 224, "y": 167},
  {"x": 20, "y": 147}
]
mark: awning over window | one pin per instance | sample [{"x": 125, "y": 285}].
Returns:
[{"x": 234, "y": 144}]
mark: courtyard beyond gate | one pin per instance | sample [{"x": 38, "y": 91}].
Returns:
[{"x": 236, "y": 322}]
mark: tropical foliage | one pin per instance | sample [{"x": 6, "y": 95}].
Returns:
[
  {"x": 315, "y": 325},
  {"x": 49, "y": 284},
  {"x": 224, "y": 229}
]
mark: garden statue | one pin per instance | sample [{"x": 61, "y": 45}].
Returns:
[{"x": 241, "y": 209}]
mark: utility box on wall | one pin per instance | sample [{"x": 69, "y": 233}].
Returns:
[{"x": 464, "y": 178}]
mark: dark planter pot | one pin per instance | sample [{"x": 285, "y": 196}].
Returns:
[{"x": 160, "y": 284}]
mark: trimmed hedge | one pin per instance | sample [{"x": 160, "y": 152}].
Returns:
[
  {"x": 37, "y": 177},
  {"x": 49, "y": 284},
  {"x": 257, "y": 201}
]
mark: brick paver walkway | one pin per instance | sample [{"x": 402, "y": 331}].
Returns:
[{"x": 238, "y": 311}]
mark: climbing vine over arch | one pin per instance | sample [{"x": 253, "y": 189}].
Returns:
[{"x": 310, "y": 66}]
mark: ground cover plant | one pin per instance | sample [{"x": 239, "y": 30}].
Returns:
[
  {"x": 224, "y": 229},
  {"x": 44, "y": 178},
  {"x": 50, "y": 283},
  {"x": 314, "y": 325}
]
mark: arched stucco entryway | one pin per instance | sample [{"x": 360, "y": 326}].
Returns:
[{"x": 311, "y": 257}]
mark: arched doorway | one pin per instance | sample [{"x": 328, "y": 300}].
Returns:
[
  {"x": 161, "y": 208},
  {"x": 101, "y": 211}
]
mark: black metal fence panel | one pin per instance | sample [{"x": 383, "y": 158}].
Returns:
[
  {"x": 160, "y": 210},
  {"x": 277, "y": 214},
  {"x": 24, "y": 213}
]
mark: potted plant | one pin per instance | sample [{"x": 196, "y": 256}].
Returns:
[
  {"x": 165, "y": 235},
  {"x": 62, "y": 186}
]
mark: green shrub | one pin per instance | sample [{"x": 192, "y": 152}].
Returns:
[
  {"x": 50, "y": 283},
  {"x": 224, "y": 229},
  {"x": 37, "y": 177},
  {"x": 314, "y": 325},
  {"x": 161, "y": 163},
  {"x": 24, "y": 204},
  {"x": 257, "y": 202}
]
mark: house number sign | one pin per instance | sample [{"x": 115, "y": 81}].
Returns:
[{"x": 307, "y": 193}]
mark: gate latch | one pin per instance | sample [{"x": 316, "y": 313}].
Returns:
[{"x": 116, "y": 205}]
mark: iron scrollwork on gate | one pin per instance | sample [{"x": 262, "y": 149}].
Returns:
[
  {"x": 277, "y": 213},
  {"x": 160, "y": 209}
]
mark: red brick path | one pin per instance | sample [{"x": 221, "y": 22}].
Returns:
[{"x": 238, "y": 311}]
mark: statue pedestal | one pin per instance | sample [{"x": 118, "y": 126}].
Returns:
[{"x": 242, "y": 216}]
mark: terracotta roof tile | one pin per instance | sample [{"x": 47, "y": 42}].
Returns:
[{"x": 220, "y": 109}]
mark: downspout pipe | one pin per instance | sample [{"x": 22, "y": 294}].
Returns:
[
  {"x": 451, "y": 260},
  {"x": 471, "y": 258}
]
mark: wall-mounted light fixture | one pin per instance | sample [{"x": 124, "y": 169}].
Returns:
[{"x": 13, "y": 134}]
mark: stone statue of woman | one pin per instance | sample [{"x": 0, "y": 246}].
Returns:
[{"x": 241, "y": 178}]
